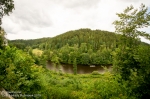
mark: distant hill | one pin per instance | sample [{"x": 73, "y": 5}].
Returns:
[
  {"x": 22, "y": 44},
  {"x": 93, "y": 38},
  {"x": 85, "y": 45}
]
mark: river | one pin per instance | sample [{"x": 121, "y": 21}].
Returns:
[{"x": 65, "y": 68}]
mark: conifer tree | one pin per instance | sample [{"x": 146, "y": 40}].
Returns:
[{"x": 74, "y": 66}]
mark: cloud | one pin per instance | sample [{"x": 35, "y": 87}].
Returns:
[
  {"x": 78, "y": 3},
  {"x": 27, "y": 16},
  {"x": 48, "y": 18}
]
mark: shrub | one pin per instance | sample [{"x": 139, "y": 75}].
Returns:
[{"x": 95, "y": 73}]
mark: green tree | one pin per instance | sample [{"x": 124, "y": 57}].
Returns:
[
  {"x": 83, "y": 48},
  {"x": 6, "y": 6},
  {"x": 85, "y": 58},
  {"x": 93, "y": 58},
  {"x": 3, "y": 41},
  {"x": 18, "y": 72},
  {"x": 142, "y": 57},
  {"x": 74, "y": 66},
  {"x": 64, "y": 53},
  {"x": 131, "y": 20},
  {"x": 127, "y": 58}
]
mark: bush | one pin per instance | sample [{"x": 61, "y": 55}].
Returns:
[{"x": 95, "y": 73}]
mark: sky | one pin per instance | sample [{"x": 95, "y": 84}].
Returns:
[{"x": 33, "y": 19}]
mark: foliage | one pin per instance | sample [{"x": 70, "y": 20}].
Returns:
[
  {"x": 74, "y": 66},
  {"x": 85, "y": 38},
  {"x": 6, "y": 7},
  {"x": 87, "y": 46},
  {"x": 93, "y": 47},
  {"x": 37, "y": 52},
  {"x": 95, "y": 73},
  {"x": 3, "y": 41},
  {"x": 108, "y": 87},
  {"x": 18, "y": 72},
  {"x": 142, "y": 72},
  {"x": 34, "y": 43},
  {"x": 131, "y": 20},
  {"x": 127, "y": 58},
  {"x": 84, "y": 58},
  {"x": 21, "y": 72}
]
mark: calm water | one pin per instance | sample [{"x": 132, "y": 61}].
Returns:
[{"x": 80, "y": 68}]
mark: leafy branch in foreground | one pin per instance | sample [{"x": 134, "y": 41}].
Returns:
[{"x": 131, "y": 20}]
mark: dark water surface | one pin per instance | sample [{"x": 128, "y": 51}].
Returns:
[{"x": 65, "y": 68}]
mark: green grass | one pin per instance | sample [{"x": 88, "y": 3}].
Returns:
[{"x": 84, "y": 86}]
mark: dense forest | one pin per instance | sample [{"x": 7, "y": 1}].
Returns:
[
  {"x": 22, "y": 44},
  {"x": 93, "y": 38},
  {"x": 88, "y": 47},
  {"x": 23, "y": 74}
]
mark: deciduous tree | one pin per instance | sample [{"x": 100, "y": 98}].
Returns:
[{"x": 130, "y": 59}]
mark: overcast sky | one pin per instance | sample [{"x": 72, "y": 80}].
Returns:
[{"x": 47, "y": 18}]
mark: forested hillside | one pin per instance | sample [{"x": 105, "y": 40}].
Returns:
[
  {"x": 88, "y": 47},
  {"x": 22, "y": 44},
  {"x": 94, "y": 39}
]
